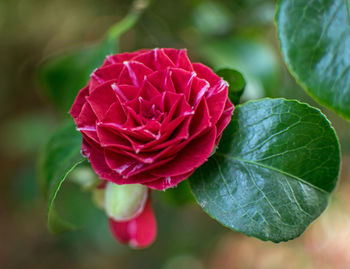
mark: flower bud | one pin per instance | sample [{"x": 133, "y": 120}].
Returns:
[
  {"x": 125, "y": 202},
  {"x": 140, "y": 232}
]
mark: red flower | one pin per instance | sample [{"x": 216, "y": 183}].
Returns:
[{"x": 151, "y": 117}]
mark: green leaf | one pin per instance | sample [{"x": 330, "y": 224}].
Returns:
[
  {"x": 315, "y": 41},
  {"x": 181, "y": 195},
  {"x": 63, "y": 76},
  {"x": 273, "y": 172},
  {"x": 60, "y": 156},
  {"x": 236, "y": 83}
]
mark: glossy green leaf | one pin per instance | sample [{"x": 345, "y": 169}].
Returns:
[
  {"x": 236, "y": 83},
  {"x": 276, "y": 165},
  {"x": 315, "y": 41},
  {"x": 63, "y": 76},
  {"x": 60, "y": 156}
]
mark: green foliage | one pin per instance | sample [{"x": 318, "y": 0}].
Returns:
[
  {"x": 251, "y": 56},
  {"x": 236, "y": 83},
  {"x": 315, "y": 41},
  {"x": 59, "y": 157},
  {"x": 273, "y": 172},
  {"x": 63, "y": 76}
]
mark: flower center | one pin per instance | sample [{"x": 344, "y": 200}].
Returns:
[{"x": 153, "y": 114}]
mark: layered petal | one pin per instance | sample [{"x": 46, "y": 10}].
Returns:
[{"x": 151, "y": 117}]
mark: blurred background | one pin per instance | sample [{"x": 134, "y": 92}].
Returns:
[{"x": 238, "y": 34}]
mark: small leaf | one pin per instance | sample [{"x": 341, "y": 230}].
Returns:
[
  {"x": 315, "y": 41},
  {"x": 60, "y": 156},
  {"x": 63, "y": 76},
  {"x": 276, "y": 165},
  {"x": 236, "y": 83}
]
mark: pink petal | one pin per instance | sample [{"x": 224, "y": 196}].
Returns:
[
  {"x": 206, "y": 73},
  {"x": 121, "y": 163},
  {"x": 162, "y": 80},
  {"x": 110, "y": 139},
  {"x": 191, "y": 157},
  {"x": 104, "y": 74},
  {"x": 199, "y": 89},
  {"x": 152, "y": 126},
  {"x": 134, "y": 105},
  {"x": 168, "y": 182},
  {"x": 133, "y": 73},
  {"x": 126, "y": 92},
  {"x": 216, "y": 104},
  {"x": 172, "y": 106},
  {"x": 132, "y": 121},
  {"x": 179, "y": 58},
  {"x": 170, "y": 100},
  {"x": 139, "y": 232},
  {"x": 138, "y": 173},
  {"x": 137, "y": 119},
  {"x": 101, "y": 99},
  {"x": 224, "y": 120},
  {"x": 164, "y": 140},
  {"x": 201, "y": 119},
  {"x": 179, "y": 127},
  {"x": 91, "y": 136},
  {"x": 98, "y": 163},
  {"x": 114, "y": 114},
  {"x": 217, "y": 92},
  {"x": 148, "y": 91},
  {"x": 138, "y": 135},
  {"x": 146, "y": 106},
  {"x": 141, "y": 178},
  {"x": 121, "y": 57},
  {"x": 182, "y": 80},
  {"x": 155, "y": 59},
  {"x": 128, "y": 167},
  {"x": 79, "y": 102},
  {"x": 86, "y": 119}
]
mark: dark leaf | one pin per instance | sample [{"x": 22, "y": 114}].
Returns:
[
  {"x": 315, "y": 41},
  {"x": 276, "y": 165},
  {"x": 236, "y": 83},
  {"x": 60, "y": 156}
]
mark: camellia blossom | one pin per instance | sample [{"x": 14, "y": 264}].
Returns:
[{"x": 151, "y": 117}]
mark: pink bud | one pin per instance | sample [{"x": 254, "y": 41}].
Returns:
[{"x": 139, "y": 232}]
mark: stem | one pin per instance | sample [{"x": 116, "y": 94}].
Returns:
[{"x": 137, "y": 7}]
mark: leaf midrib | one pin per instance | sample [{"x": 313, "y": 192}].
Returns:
[{"x": 273, "y": 169}]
